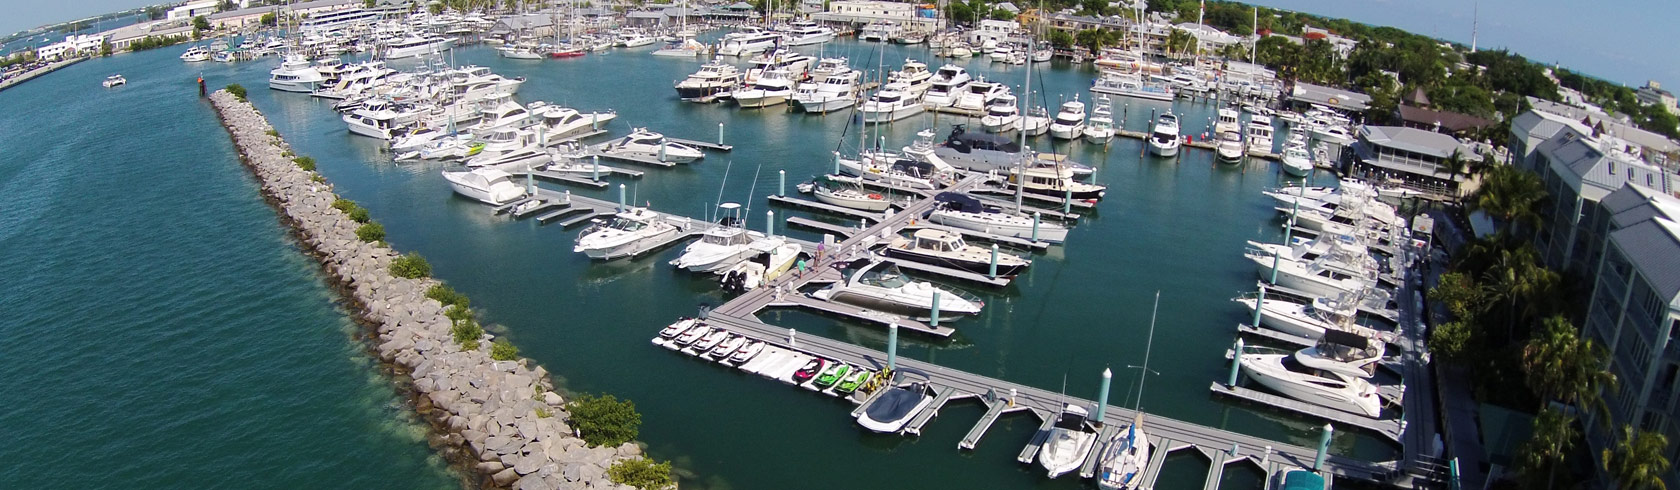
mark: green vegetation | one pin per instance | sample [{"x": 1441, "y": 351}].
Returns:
[
  {"x": 200, "y": 23},
  {"x": 502, "y": 350},
  {"x": 543, "y": 412},
  {"x": 304, "y": 162},
  {"x": 411, "y": 266},
  {"x": 642, "y": 473},
  {"x": 371, "y": 232},
  {"x": 344, "y": 205},
  {"x": 267, "y": 19},
  {"x": 467, "y": 332},
  {"x": 152, "y": 42},
  {"x": 237, "y": 90},
  {"x": 351, "y": 210},
  {"x": 104, "y": 48},
  {"x": 447, "y": 296},
  {"x": 1637, "y": 461},
  {"x": 604, "y": 420},
  {"x": 17, "y": 58}
]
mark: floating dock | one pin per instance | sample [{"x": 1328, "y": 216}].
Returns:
[{"x": 1389, "y": 428}]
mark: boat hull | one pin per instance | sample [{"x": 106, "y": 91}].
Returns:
[
  {"x": 296, "y": 86},
  {"x": 822, "y": 105},
  {"x": 1044, "y": 233},
  {"x": 632, "y": 248},
  {"x": 896, "y": 114},
  {"x": 753, "y": 101}
]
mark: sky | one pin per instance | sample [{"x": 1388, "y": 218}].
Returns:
[{"x": 1627, "y": 41}]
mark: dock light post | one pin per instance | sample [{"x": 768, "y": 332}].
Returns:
[
  {"x": 769, "y": 224},
  {"x": 1259, "y": 301},
  {"x": 1236, "y": 364},
  {"x": 1323, "y": 447},
  {"x": 992, "y": 272},
  {"x": 781, "y": 183},
  {"x": 892, "y": 346},
  {"x": 1102, "y": 395},
  {"x": 595, "y": 171},
  {"x": 621, "y": 198},
  {"x": 934, "y": 318},
  {"x": 720, "y": 134},
  {"x": 1035, "y": 227}
]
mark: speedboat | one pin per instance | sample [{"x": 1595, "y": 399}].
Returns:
[
  {"x": 628, "y": 233},
  {"x": 915, "y": 77},
  {"x": 722, "y": 246},
  {"x": 295, "y": 74},
  {"x": 1163, "y": 139},
  {"x": 773, "y": 87},
  {"x": 893, "y": 102},
  {"x": 714, "y": 80},
  {"x": 488, "y": 185},
  {"x": 979, "y": 95},
  {"x": 837, "y": 191},
  {"x": 947, "y": 249},
  {"x": 1286, "y": 375},
  {"x": 749, "y": 274},
  {"x": 962, "y": 211},
  {"x": 691, "y": 336},
  {"x": 1123, "y": 458},
  {"x": 114, "y": 80},
  {"x": 1100, "y": 129},
  {"x": 1002, "y": 116},
  {"x": 747, "y": 351},
  {"x": 895, "y": 407},
  {"x": 710, "y": 341},
  {"x": 677, "y": 328},
  {"x": 836, "y": 91},
  {"x": 1230, "y": 147},
  {"x": 648, "y": 144},
  {"x": 1068, "y": 443},
  {"x": 1070, "y": 121},
  {"x": 1296, "y": 161},
  {"x": 809, "y": 370},
  {"x": 881, "y": 286},
  {"x": 948, "y": 84}
]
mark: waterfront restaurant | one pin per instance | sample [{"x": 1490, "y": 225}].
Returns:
[{"x": 1415, "y": 159}]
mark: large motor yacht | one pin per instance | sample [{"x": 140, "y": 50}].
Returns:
[
  {"x": 648, "y": 144},
  {"x": 1070, "y": 121},
  {"x": 1230, "y": 147},
  {"x": 748, "y": 43},
  {"x": 979, "y": 95},
  {"x": 1283, "y": 373},
  {"x": 295, "y": 74},
  {"x": 948, "y": 84},
  {"x": 947, "y": 249},
  {"x": 627, "y": 234},
  {"x": 773, "y": 87},
  {"x": 893, "y": 102},
  {"x": 1002, "y": 116},
  {"x": 807, "y": 33},
  {"x": 915, "y": 77},
  {"x": 834, "y": 92},
  {"x": 881, "y": 286},
  {"x": 1164, "y": 139},
  {"x": 1100, "y": 128},
  {"x": 489, "y": 186},
  {"x": 962, "y": 211},
  {"x": 714, "y": 80}
]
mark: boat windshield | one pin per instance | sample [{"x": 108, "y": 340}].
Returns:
[
  {"x": 889, "y": 278},
  {"x": 628, "y": 225}
]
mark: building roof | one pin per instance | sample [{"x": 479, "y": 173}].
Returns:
[
  {"x": 1618, "y": 127},
  {"x": 1582, "y": 161},
  {"x": 1450, "y": 121},
  {"x": 1333, "y": 97},
  {"x": 1634, "y": 203},
  {"x": 1416, "y": 141},
  {"x": 1653, "y": 248},
  {"x": 1545, "y": 125},
  {"x": 296, "y": 7}
]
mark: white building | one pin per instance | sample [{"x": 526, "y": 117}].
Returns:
[
  {"x": 193, "y": 9},
  {"x": 71, "y": 46},
  {"x": 873, "y": 9},
  {"x": 1208, "y": 39}
]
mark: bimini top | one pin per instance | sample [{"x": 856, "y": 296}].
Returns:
[
  {"x": 964, "y": 141},
  {"x": 960, "y": 202},
  {"x": 896, "y": 403}
]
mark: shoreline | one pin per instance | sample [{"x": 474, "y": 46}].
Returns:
[
  {"x": 38, "y": 72},
  {"x": 499, "y": 422}
]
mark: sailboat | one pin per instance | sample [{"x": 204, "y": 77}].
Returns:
[{"x": 1123, "y": 458}]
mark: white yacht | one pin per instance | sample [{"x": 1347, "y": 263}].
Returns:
[
  {"x": 506, "y": 115},
  {"x": 836, "y": 91},
  {"x": 721, "y": 247},
  {"x": 947, "y": 249},
  {"x": 412, "y": 46},
  {"x": 980, "y": 95},
  {"x": 1286, "y": 375},
  {"x": 893, "y": 102},
  {"x": 1036, "y": 122},
  {"x": 523, "y": 157},
  {"x": 1259, "y": 132},
  {"x": 1132, "y": 85},
  {"x": 1164, "y": 139},
  {"x": 848, "y": 193},
  {"x": 774, "y": 87},
  {"x": 1070, "y": 121},
  {"x": 556, "y": 124},
  {"x": 374, "y": 124},
  {"x": 521, "y": 51},
  {"x": 648, "y": 144},
  {"x": 114, "y": 80},
  {"x": 749, "y": 274},
  {"x": 1226, "y": 121},
  {"x": 196, "y": 54},
  {"x": 1296, "y": 161},
  {"x": 1055, "y": 181},
  {"x": 879, "y": 31},
  {"x": 634, "y": 39},
  {"x": 1122, "y": 459},
  {"x": 1002, "y": 116},
  {"x": 881, "y": 286},
  {"x": 806, "y": 33},
  {"x": 487, "y": 185},
  {"x": 628, "y": 234},
  {"x": 899, "y": 170},
  {"x": 748, "y": 43},
  {"x": 961, "y": 211},
  {"x": 715, "y": 79},
  {"x": 1069, "y": 441},
  {"x": 1229, "y": 149},
  {"x": 1327, "y": 275},
  {"x": 895, "y": 407},
  {"x": 948, "y": 84},
  {"x": 295, "y": 74},
  {"x": 1100, "y": 129},
  {"x": 1306, "y": 320},
  {"x": 914, "y": 75}
]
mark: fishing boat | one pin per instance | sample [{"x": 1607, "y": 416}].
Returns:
[
  {"x": 880, "y": 285},
  {"x": 1069, "y": 441},
  {"x": 487, "y": 185},
  {"x": 627, "y": 234},
  {"x": 749, "y": 274},
  {"x": 721, "y": 247}
]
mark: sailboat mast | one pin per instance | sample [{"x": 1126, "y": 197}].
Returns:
[
  {"x": 1026, "y": 93},
  {"x": 1148, "y": 346}
]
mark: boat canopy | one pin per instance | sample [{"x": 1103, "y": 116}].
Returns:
[
  {"x": 896, "y": 403},
  {"x": 1350, "y": 339},
  {"x": 964, "y": 141},
  {"x": 960, "y": 202}
]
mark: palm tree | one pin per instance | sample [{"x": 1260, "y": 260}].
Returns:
[
  {"x": 1454, "y": 164},
  {"x": 1554, "y": 434},
  {"x": 1510, "y": 194},
  {"x": 1560, "y": 365},
  {"x": 1637, "y": 461}
]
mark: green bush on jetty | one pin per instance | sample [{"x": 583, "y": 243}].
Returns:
[
  {"x": 604, "y": 420},
  {"x": 642, "y": 473},
  {"x": 305, "y": 163},
  {"x": 360, "y": 215},
  {"x": 411, "y": 266},
  {"x": 344, "y": 205},
  {"x": 371, "y": 232},
  {"x": 467, "y": 332},
  {"x": 237, "y": 91},
  {"x": 502, "y": 350},
  {"x": 447, "y": 295}
]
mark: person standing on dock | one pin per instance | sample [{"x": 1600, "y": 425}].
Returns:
[
  {"x": 818, "y": 260},
  {"x": 801, "y": 265}
]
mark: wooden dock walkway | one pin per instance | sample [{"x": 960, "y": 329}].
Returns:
[{"x": 860, "y": 313}]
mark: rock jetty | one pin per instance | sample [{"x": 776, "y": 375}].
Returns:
[{"x": 500, "y": 421}]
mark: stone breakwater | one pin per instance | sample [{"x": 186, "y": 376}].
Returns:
[{"x": 501, "y": 421}]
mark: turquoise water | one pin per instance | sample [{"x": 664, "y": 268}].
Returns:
[
  {"x": 1174, "y": 226},
  {"x": 163, "y": 331}
]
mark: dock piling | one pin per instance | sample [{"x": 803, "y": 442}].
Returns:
[
  {"x": 1067, "y": 200},
  {"x": 529, "y": 182},
  {"x": 720, "y": 134},
  {"x": 595, "y": 172},
  {"x": 892, "y": 346},
  {"x": 1323, "y": 447},
  {"x": 781, "y": 183},
  {"x": 1036, "y": 218},
  {"x": 621, "y": 198},
  {"x": 791, "y": 332},
  {"x": 992, "y": 271},
  {"x": 1236, "y": 363},
  {"x": 568, "y": 195},
  {"x": 662, "y": 145},
  {"x": 1259, "y": 301},
  {"x": 1102, "y": 395},
  {"x": 769, "y": 224},
  {"x": 933, "y": 319},
  {"x": 837, "y": 163}
]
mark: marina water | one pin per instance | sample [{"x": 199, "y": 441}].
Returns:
[{"x": 141, "y": 226}]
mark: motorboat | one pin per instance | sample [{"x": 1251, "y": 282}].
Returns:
[
  {"x": 879, "y": 31},
  {"x": 1132, "y": 85},
  {"x": 961, "y": 211},
  {"x": 1070, "y": 121},
  {"x": 851, "y": 383},
  {"x": 629, "y": 233},
  {"x": 530, "y": 156},
  {"x": 1100, "y": 128},
  {"x": 1123, "y": 458},
  {"x": 880, "y": 285},
  {"x": 1230, "y": 147},
  {"x": 1281, "y": 372},
  {"x": 648, "y": 144},
  {"x": 522, "y": 51},
  {"x": 749, "y": 274},
  {"x": 981, "y": 152},
  {"x": 948, "y": 84},
  {"x": 796, "y": 64},
  {"x": 748, "y": 350},
  {"x": 556, "y": 124},
  {"x": 1226, "y": 121},
  {"x": 1002, "y": 116},
  {"x": 501, "y": 141},
  {"x": 1259, "y": 132},
  {"x": 833, "y": 190},
  {"x": 1055, "y": 181},
  {"x": 748, "y": 43},
  {"x": 810, "y": 370},
  {"x": 683, "y": 48},
  {"x": 715, "y": 79},
  {"x": 1163, "y": 138},
  {"x": 196, "y": 54},
  {"x": 677, "y": 328},
  {"x": 947, "y": 249},
  {"x": 374, "y": 124},
  {"x": 721, "y": 247},
  {"x": 634, "y": 39},
  {"x": 506, "y": 115},
  {"x": 836, "y": 91},
  {"x": 893, "y": 102},
  {"x": 979, "y": 95},
  {"x": 488, "y": 185},
  {"x": 1296, "y": 161},
  {"x": 295, "y": 74},
  {"x": 833, "y": 374},
  {"x": 412, "y": 46},
  {"x": 1343, "y": 352},
  {"x": 1308, "y": 321},
  {"x": 114, "y": 80},
  {"x": 806, "y": 33},
  {"x": 915, "y": 77},
  {"x": 728, "y": 346},
  {"x": 895, "y": 407},
  {"x": 691, "y": 336},
  {"x": 1036, "y": 122},
  {"x": 1070, "y": 440},
  {"x": 921, "y": 170},
  {"x": 774, "y": 87},
  {"x": 710, "y": 341},
  {"x": 1327, "y": 275}
]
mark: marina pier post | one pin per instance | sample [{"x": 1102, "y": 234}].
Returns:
[
  {"x": 769, "y": 224},
  {"x": 1236, "y": 366},
  {"x": 1259, "y": 302},
  {"x": 933, "y": 318},
  {"x": 1102, "y": 395},
  {"x": 892, "y": 346},
  {"x": 1323, "y": 446},
  {"x": 781, "y": 183}
]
